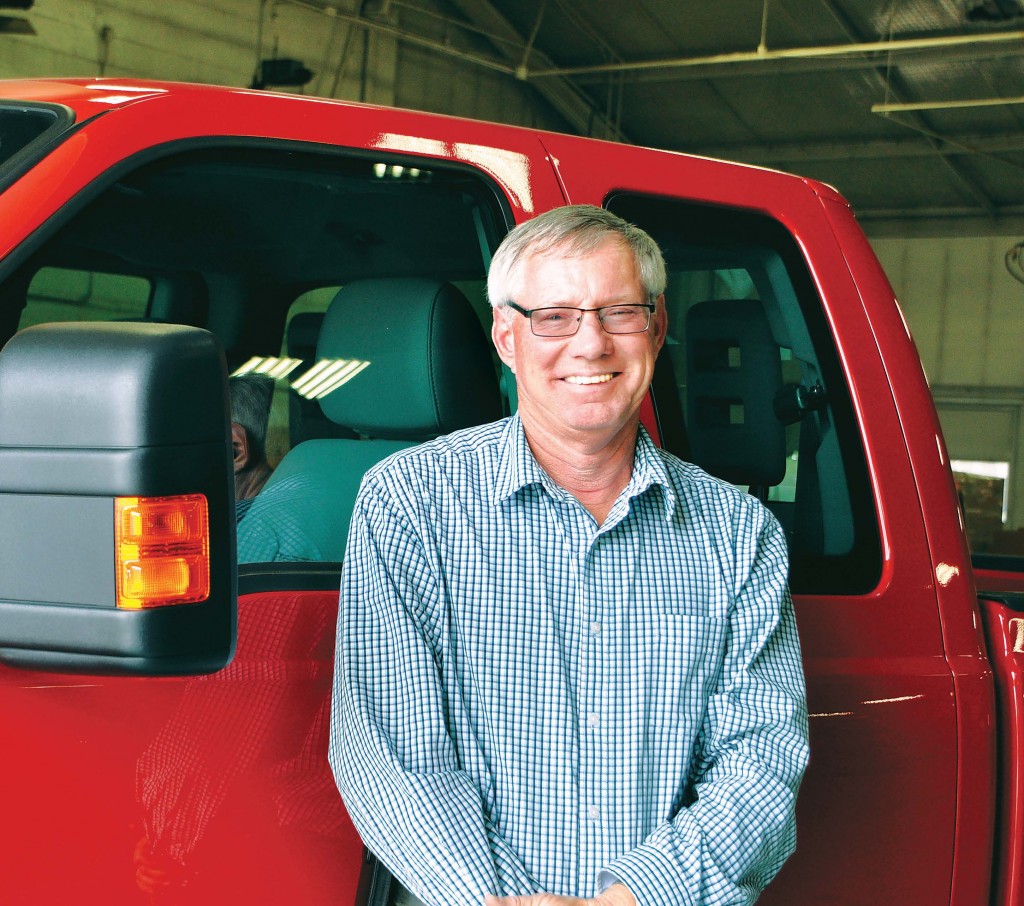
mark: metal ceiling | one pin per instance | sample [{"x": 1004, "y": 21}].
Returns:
[{"x": 911, "y": 108}]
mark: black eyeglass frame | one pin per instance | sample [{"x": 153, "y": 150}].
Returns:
[{"x": 528, "y": 313}]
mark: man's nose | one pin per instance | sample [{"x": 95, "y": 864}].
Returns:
[{"x": 591, "y": 338}]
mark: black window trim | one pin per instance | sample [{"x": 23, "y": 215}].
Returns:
[{"x": 62, "y": 127}]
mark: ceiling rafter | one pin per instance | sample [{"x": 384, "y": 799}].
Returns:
[
  {"x": 775, "y": 66},
  {"x": 826, "y": 62},
  {"x": 573, "y": 104},
  {"x": 868, "y": 50},
  {"x": 894, "y": 88},
  {"x": 865, "y": 149},
  {"x": 1009, "y": 214}
]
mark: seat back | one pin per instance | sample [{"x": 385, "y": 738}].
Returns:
[
  {"x": 429, "y": 371},
  {"x": 733, "y": 373},
  {"x": 306, "y": 419}
]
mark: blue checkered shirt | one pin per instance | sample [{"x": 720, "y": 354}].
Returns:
[{"x": 525, "y": 701}]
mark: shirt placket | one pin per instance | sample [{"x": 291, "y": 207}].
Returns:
[
  {"x": 607, "y": 562},
  {"x": 601, "y": 575},
  {"x": 591, "y": 801}
]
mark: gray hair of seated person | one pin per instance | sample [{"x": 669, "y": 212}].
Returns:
[
  {"x": 571, "y": 231},
  {"x": 251, "y": 396}
]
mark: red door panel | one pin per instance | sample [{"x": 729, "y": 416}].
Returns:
[{"x": 185, "y": 790}]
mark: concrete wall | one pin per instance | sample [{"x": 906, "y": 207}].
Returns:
[
  {"x": 966, "y": 313},
  {"x": 221, "y": 41},
  {"x": 213, "y": 41},
  {"x": 965, "y": 310}
]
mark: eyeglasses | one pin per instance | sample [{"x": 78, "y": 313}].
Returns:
[{"x": 564, "y": 321}]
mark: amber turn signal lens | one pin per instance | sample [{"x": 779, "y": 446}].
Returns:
[{"x": 163, "y": 550}]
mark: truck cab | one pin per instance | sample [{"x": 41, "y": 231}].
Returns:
[{"x": 157, "y": 238}]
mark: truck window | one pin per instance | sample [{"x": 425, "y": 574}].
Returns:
[
  {"x": 253, "y": 243},
  {"x": 66, "y": 294},
  {"x": 748, "y": 385}
]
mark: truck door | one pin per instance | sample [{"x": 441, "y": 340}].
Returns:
[
  {"x": 244, "y": 215},
  {"x": 771, "y": 379}
]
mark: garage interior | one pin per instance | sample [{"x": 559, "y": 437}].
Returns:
[{"x": 912, "y": 109}]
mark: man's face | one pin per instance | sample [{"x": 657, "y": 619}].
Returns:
[{"x": 588, "y": 387}]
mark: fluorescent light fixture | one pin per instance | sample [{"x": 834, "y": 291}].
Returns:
[{"x": 945, "y": 105}]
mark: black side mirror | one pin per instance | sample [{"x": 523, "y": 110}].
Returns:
[{"x": 117, "y": 529}]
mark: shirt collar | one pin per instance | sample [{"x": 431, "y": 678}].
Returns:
[
  {"x": 649, "y": 471},
  {"x": 517, "y": 467}
]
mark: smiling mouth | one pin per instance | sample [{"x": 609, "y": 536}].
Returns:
[{"x": 588, "y": 378}]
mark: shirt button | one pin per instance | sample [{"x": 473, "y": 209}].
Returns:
[
  {"x": 594, "y": 720},
  {"x": 595, "y": 628},
  {"x": 594, "y": 812}
]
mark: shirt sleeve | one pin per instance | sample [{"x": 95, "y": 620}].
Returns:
[
  {"x": 740, "y": 825},
  {"x": 392, "y": 756}
]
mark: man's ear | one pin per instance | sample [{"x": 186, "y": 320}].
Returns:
[
  {"x": 240, "y": 453},
  {"x": 504, "y": 339},
  {"x": 659, "y": 323}
]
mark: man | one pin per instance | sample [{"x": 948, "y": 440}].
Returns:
[
  {"x": 251, "y": 396},
  {"x": 568, "y": 669}
]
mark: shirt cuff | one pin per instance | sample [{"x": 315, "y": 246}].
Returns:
[{"x": 651, "y": 875}]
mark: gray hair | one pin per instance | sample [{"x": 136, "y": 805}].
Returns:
[
  {"x": 251, "y": 396},
  {"x": 575, "y": 230}
]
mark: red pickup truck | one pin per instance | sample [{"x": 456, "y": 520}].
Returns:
[{"x": 166, "y": 706}]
